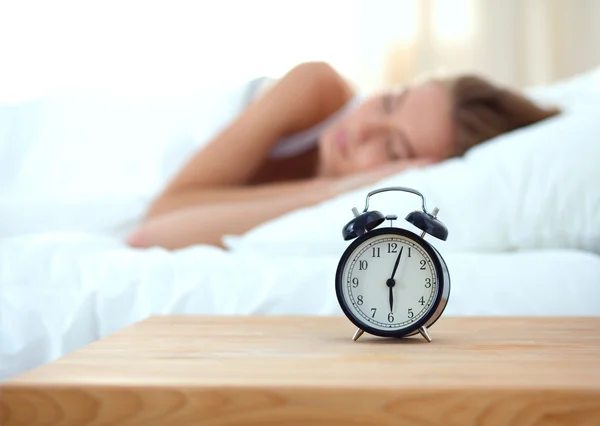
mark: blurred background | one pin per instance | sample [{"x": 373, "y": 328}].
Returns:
[{"x": 177, "y": 47}]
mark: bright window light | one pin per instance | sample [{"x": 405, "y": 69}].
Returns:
[{"x": 452, "y": 19}]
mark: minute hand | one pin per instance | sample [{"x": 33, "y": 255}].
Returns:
[{"x": 397, "y": 262}]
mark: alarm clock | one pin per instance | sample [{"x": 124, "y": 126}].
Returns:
[{"x": 390, "y": 282}]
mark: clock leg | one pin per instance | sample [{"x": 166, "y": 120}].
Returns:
[
  {"x": 425, "y": 333},
  {"x": 358, "y": 333}
]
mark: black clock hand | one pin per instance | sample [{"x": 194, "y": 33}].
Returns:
[{"x": 391, "y": 282}]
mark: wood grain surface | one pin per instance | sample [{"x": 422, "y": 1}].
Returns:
[{"x": 195, "y": 370}]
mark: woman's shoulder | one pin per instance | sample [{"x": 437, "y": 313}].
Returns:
[
  {"x": 338, "y": 97},
  {"x": 339, "y": 89}
]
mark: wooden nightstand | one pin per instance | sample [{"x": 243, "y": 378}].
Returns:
[{"x": 195, "y": 370}]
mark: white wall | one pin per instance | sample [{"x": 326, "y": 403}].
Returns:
[
  {"x": 171, "y": 47},
  {"x": 168, "y": 46}
]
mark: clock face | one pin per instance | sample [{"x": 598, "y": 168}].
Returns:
[{"x": 388, "y": 281}]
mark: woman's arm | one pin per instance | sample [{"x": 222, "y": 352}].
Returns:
[
  {"x": 206, "y": 223},
  {"x": 303, "y": 97},
  {"x": 237, "y": 210},
  {"x": 228, "y": 194}
]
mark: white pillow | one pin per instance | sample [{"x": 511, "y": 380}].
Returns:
[{"x": 534, "y": 188}]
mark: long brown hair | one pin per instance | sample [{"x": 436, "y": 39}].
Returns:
[{"x": 483, "y": 110}]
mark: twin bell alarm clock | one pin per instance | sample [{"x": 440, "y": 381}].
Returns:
[{"x": 390, "y": 282}]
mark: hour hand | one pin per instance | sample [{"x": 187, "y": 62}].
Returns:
[{"x": 391, "y": 283}]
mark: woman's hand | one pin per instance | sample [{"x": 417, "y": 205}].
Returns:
[{"x": 358, "y": 180}]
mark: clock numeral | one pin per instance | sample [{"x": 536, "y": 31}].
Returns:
[
  {"x": 392, "y": 247},
  {"x": 422, "y": 301},
  {"x": 376, "y": 252},
  {"x": 354, "y": 282},
  {"x": 410, "y": 313},
  {"x": 359, "y": 300},
  {"x": 427, "y": 282},
  {"x": 390, "y": 317},
  {"x": 409, "y": 252},
  {"x": 374, "y": 310},
  {"x": 423, "y": 265},
  {"x": 363, "y": 265}
]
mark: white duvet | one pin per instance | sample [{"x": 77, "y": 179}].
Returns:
[{"x": 524, "y": 225}]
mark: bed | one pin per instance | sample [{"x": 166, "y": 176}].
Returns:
[{"x": 522, "y": 211}]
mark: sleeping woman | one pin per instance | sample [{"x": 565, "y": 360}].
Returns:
[{"x": 309, "y": 137}]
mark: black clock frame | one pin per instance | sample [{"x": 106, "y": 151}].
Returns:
[{"x": 441, "y": 270}]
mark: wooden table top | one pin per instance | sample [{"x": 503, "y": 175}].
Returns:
[{"x": 307, "y": 370}]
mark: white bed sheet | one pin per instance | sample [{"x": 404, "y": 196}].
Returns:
[{"x": 64, "y": 290}]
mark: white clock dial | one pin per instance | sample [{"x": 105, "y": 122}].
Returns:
[{"x": 368, "y": 291}]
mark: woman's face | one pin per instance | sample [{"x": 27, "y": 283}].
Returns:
[{"x": 415, "y": 123}]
